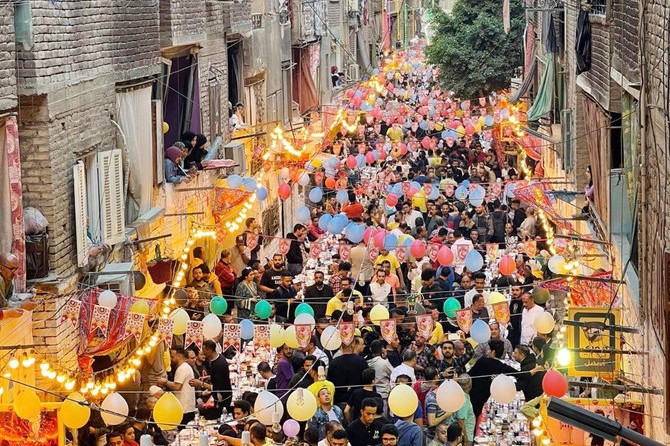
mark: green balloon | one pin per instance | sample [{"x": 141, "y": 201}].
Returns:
[
  {"x": 218, "y": 305},
  {"x": 304, "y": 308},
  {"x": 451, "y": 306},
  {"x": 263, "y": 309},
  {"x": 540, "y": 295}
]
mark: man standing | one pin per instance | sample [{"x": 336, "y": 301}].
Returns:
[
  {"x": 313, "y": 349},
  {"x": 407, "y": 366},
  {"x": 317, "y": 294},
  {"x": 294, "y": 257},
  {"x": 379, "y": 289},
  {"x": 484, "y": 223},
  {"x": 272, "y": 276},
  {"x": 515, "y": 309},
  {"x": 478, "y": 308},
  {"x": 452, "y": 364},
  {"x": 530, "y": 312},
  {"x": 181, "y": 386},
  {"x": 366, "y": 430},
  {"x": 483, "y": 348},
  {"x": 283, "y": 370},
  {"x": 361, "y": 265},
  {"x": 382, "y": 367},
  {"x": 283, "y": 295},
  {"x": 483, "y": 372},
  {"x": 346, "y": 372},
  {"x": 480, "y": 283},
  {"x": 220, "y": 385},
  {"x": 342, "y": 298}
]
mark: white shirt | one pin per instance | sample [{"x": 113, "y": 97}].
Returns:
[
  {"x": 380, "y": 293},
  {"x": 528, "y": 323},
  {"x": 402, "y": 369},
  {"x": 412, "y": 217},
  {"x": 186, "y": 395},
  {"x": 320, "y": 355}
]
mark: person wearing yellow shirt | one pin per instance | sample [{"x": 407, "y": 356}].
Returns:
[
  {"x": 394, "y": 133},
  {"x": 438, "y": 331},
  {"x": 339, "y": 301}
]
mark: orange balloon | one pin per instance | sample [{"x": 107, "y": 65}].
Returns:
[
  {"x": 330, "y": 183},
  {"x": 341, "y": 183},
  {"x": 507, "y": 265}
]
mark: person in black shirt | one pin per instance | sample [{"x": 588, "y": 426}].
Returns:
[
  {"x": 515, "y": 310},
  {"x": 346, "y": 372},
  {"x": 358, "y": 395},
  {"x": 317, "y": 295},
  {"x": 197, "y": 153},
  {"x": 220, "y": 384},
  {"x": 294, "y": 256},
  {"x": 482, "y": 373},
  {"x": 366, "y": 430},
  {"x": 272, "y": 276},
  {"x": 283, "y": 295}
]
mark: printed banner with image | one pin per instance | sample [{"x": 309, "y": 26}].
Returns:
[
  {"x": 345, "y": 253},
  {"x": 231, "y": 336},
  {"x": 71, "y": 311},
  {"x": 134, "y": 325},
  {"x": 303, "y": 333},
  {"x": 100, "y": 319},
  {"x": 164, "y": 331},
  {"x": 424, "y": 326},
  {"x": 388, "y": 330},
  {"x": 347, "y": 332},
  {"x": 501, "y": 313},
  {"x": 464, "y": 319},
  {"x": 262, "y": 339},
  {"x": 193, "y": 334}
]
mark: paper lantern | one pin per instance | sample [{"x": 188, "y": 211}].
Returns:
[
  {"x": 503, "y": 389},
  {"x": 141, "y": 307},
  {"x": 544, "y": 323},
  {"x": 554, "y": 383},
  {"x": 263, "y": 309},
  {"x": 266, "y": 404},
  {"x": 284, "y": 191},
  {"x": 556, "y": 264},
  {"x": 301, "y": 405},
  {"x": 379, "y": 313},
  {"x": 27, "y": 404},
  {"x": 445, "y": 256},
  {"x": 451, "y": 306},
  {"x": 246, "y": 329},
  {"x": 168, "y": 412},
  {"x": 114, "y": 409},
  {"x": 304, "y": 308},
  {"x": 75, "y": 415},
  {"x": 450, "y": 396},
  {"x": 330, "y": 338},
  {"x": 507, "y": 265},
  {"x": 540, "y": 295},
  {"x": 480, "y": 331},
  {"x": 496, "y": 298},
  {"x": 403, "y": 400},
  {"x": 180, "y": 318},
  {"x": 211, "y": 326},
  {"x": 291, "y": 428},
  {"x": 417, "y": 249},
  {"x": 276, "y": 335},
  {"x": 218, "y": 305},
  {"x": 290, "y": 337},
  {"x": 474, "y": 261},
  {"x": 107, "y": 299}
]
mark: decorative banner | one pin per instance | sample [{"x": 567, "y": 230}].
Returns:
[
  {"x": 347, "y": 332},
  {"x": 231, "y": 336},
  {"x": 593, "y": 338},
  {"x": 252, "y": 240},
  {"x": 100, "y": 319},
  {"x": 134, "y": 325},
  {"x": 530, "y": 247},
  {"x": 427, "y": 188},
  {"x": 303, "y": 333},
  {"x": 433, "y": 250},
  {"x": 71, "y": 311},
  {"x": 501, "y": 313},
  {"x": 164, "y": 331},
  {"x": 318, "y": 177},
  {"x": 589, "y": 293},
  {"x": 373, "y": 253},
  {"x": 262, "y": 339},
  {"x": 226, "y": 199},
  {"x": 401, "y": 254},
  {"x": 424, "y": 325},
  {"x": 462, "y": 251},
  {"x": 13, "y": 157},
  {"x": 449, "y": 190},
  {"x": 193, "y": 334},
  {"x": 284, "y": 246},
  {"x": 345, "y": 253},
  {"x": 464, "y": 319},
  {"x": 315, "y": 250},
  {"x": 388, "y": 330},
  {"x": 492, "y": 250}
]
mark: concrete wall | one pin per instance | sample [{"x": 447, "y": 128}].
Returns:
[{"x": 7, "y": 59}]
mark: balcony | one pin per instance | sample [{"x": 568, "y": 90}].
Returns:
[{"x": 308, "y": 22}]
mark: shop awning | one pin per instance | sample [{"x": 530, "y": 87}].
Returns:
[{"x": 544, "y": 101}]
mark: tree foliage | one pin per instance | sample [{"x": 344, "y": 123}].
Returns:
[{"x": 469, "y": 46}]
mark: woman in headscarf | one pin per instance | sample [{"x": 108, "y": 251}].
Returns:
[
  {"x": 198, "y": 153},
  {"x": 173, "y": 172}
]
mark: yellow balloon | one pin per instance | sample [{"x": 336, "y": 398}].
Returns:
[
  {"x": 439, "y": 126},
  {"x": 276, "y": 336},
  {"x": 459, "y": 113},
  {"x": 379, "y": 313},
  {"x": 403, "y": 400},
  {"x": 180, "y": 318},
  {"x": 166, "y": 127},
  {"x": 75, "y": 415},
  {"x": 301, "y": 405},
  {"x": 461, "y": 131},
  {"x": 27, "y": 404},
  {"x": 141, "y": 306},
  {"x": 544, "y": 323},
  {"x": 317, "y": 163},
  {"x": 290, "y": 338},
  {"x": 168, "y": 411},
  {"x": 496, "y": 297}
]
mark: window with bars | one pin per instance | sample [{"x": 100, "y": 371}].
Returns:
[{"x": 598, "y": 7}]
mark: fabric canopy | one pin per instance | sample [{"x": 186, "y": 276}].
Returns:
[
  {"x": 544, "y": 101},
  {"x": 525, "y": 85}
]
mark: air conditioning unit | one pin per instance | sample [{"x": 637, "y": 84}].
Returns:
[
  {"x": 568, "y": 140},
  {"x": 353, "y": 72},
  {"x": 235, "y": 151},
  {"x": 116, "y": 277}
]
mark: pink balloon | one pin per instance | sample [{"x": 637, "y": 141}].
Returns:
[
  {"x": 369, "y": 232},
  {"x": 391, "y": 200},
  {"x": 351, "y": 161},
  {"x": 425, "y": 142},
  {"x": 444, "y": 256},
  {"x": 291, "y": 428},
  {"x": 411, "y": 191},
  {"x": 284, "y": 191},
  {"x": 379, "y": 238},
  {"x": 370, "y": 157},
  {"x": 417, "y": 249}
]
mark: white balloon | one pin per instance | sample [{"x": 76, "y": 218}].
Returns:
[
  {"x": 284, "y": 173},
  {"x": 304, "y": 179},
  {"x": 330, "y": 338},
  {"x": 503, "y": 389},
  {"x": 211, "y": 326},
  {"x": 114, "y": 409},
  {"x": 450, "y": 396},
  {"x": 266, "y": 404},
  {"x": 305, "y": 319},
  {"x": 107, "y": 299},
  {"x": 544, "y": 323}
]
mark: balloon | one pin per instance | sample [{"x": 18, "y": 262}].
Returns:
[
  {"x": 180, "y": 318},
  {"x": 141, "y": 307},
  {"x": 417, "y": 249},
  {"x": 276, "y": 335},
  {"x": 181, "y": 296},
  {"x": 544, "y": 323},
  {"x": 75, "y": 415},
  {"x": 324, "y": 221},
  {"x": 139, "y": 280},
  {"x": 27, "y": 404},
  {"x": 330, "y": 183},
  {"x": 250, "y": 184},
  {"x": 445, "y": 256},
  {"x": 330, "y": 338},
  {"x": 338, "y": 223},
  {"x": 107, "y": 299},
  {"x": 342, "y": 196},
  {"x": 391, "y": 200},
  {"x": 115, "y": 409},
  {"x": 304, "y": 308},
  {"x": 301, "y": 404},
  {"x": 304, "y": 319},
  {"x": 234, "y": 181},
  {"x": 378, "y": 313},
  {"x": 403, "y": 400},
  {"x": 556, "y": 264},
  {"x": 480, "y": 331},
  {"x": 461, "y": 193},
  {"x": 451, "y": 306},
  {"x": 291, "y": 428},
  {"x": 354, "y": 232},
  {"x": 554, "y": 383},
  {"x": 262, "y": 193},
  {"x": 315, "y": 195},
  {"x": 263, "y": 309},
  {"x": 211, "y": 326},
  {"x": 369, "y": 232},
  {"x": 370, "y": 158},
  {"x": 434, "y": 193},
  {"x": 246, "y": 329},
  {"x": 390, "y": 242},
  {"x": 302, "y": 214},
  {"x": 450, "y": 396},
  {"x": 379, "y": 238},
  {"x": 503, "y": 389},
  {"x": 290, "y": 338},
  {"x": 266, "y": 404},
  {"x": 507, "y": 265},
  {"x": 477, "y": 196},
  {"x": 168, "y": 411},
  {"x": 304, "y": 179},
  {"x": 496, "y": 298},
  {"x": 284, "y": 191},
  {"x": 474, "y": 261},
  {"x": 540, "y": 295},
  {"x": 218, "y": 305}
]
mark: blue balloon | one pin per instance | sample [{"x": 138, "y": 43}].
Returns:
[
  {"x": 444, "y": 134},
  {"x": 324, "y": 221},
  {"x": 375, "y": 71},
  {"x": 338, "y": 223},
  {"x": 509, "y": 190},
  {"x": 360, "y": 160},
  {"x": 315, "y": 195},
  {"x": 234, "y": 181},
  {"x": 488, "y": 121},
  {"x": 465, "y": 183},
  {"x": 474, "y": 261},
  {"x": 415, "y": 185},
  {"x": 358, "y": 93},
  {"x": 342, "y": 196},
  {"x": 477, "y": 196},
  {"x": 262, "y": 193},
  {"x": 464, "y": 105},
  {"x": 408, "y": 242},
  {"x": 452, "y": 133},
  {"x": 246, "y": 329},
  {"x": 250, "y": 184},
  {"x": 354, "y": 232},
  {"x": 397, "y": 189},
  {"x": 423, "y": 125},
  {"x": 375, "y": 153},
  {"x": 432, "y": 112},
  {"x": 461, "y": 193},
  {"x": 303, "y": 214},
  {"x": 434, "y": 193},
  {"x": 504, "y": 113},
  {"x": 390, "y": 242},
  {"x": 389, "y": 76},
  {"x": 480, "y": 331}
]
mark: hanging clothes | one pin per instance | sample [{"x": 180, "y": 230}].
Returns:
[{"x": 583, "y": 42}]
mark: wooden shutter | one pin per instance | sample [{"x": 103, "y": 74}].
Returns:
[
  {"x": 80, "y": 212},
  {"x": 112, "y": 209}
]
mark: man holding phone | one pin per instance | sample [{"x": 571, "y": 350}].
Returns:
[{"x": 451, "y": 365}]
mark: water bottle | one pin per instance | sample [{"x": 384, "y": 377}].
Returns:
[{"x": 224, "y": 415}]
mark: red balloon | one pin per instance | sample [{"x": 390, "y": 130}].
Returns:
[
  {"x": 379, "y": 238},
  {"x": 370, "y": 157},
  {"x": 444, "y": 256},
  {"x": 425, "y": 142},
  {"x": 507, "y": 265},
  {"x": 391, "y": 200},
  {"x": 284, "y": 191},
  {"x": 554, "y": 384},
  {"x": 369, "y": 232},
  {"x": 351, "y": 161},
  {"x": 469, "y": 129},
  {"x": 411, "y": 191},
  {"x": 417, "y": 249}
]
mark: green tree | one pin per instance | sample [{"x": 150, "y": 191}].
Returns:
[{"x": 469, "y": 46}]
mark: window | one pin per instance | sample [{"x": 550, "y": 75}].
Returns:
[
  {"x": 598, "y": 7},
  {"x": 270, "y": 222}
]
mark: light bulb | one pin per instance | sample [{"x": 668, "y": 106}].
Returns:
[
  {"x": 104, "y": 390},
  {"x": 83, "y": 390},
  {"x": 60, "y": 378},
  {"x": 25, "y": 361},
  {"x": 276, "y": 418},
  {"x": 69, "y": 385},
  {"x": 44, "y": 366},
  {"x": 52, "y": 374},
  {"x": 90, "y": 384},
  {"x": 95, "y": 391},
  {"x": 14, "y": 363},
  {"x": 563, "y": 357}
]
